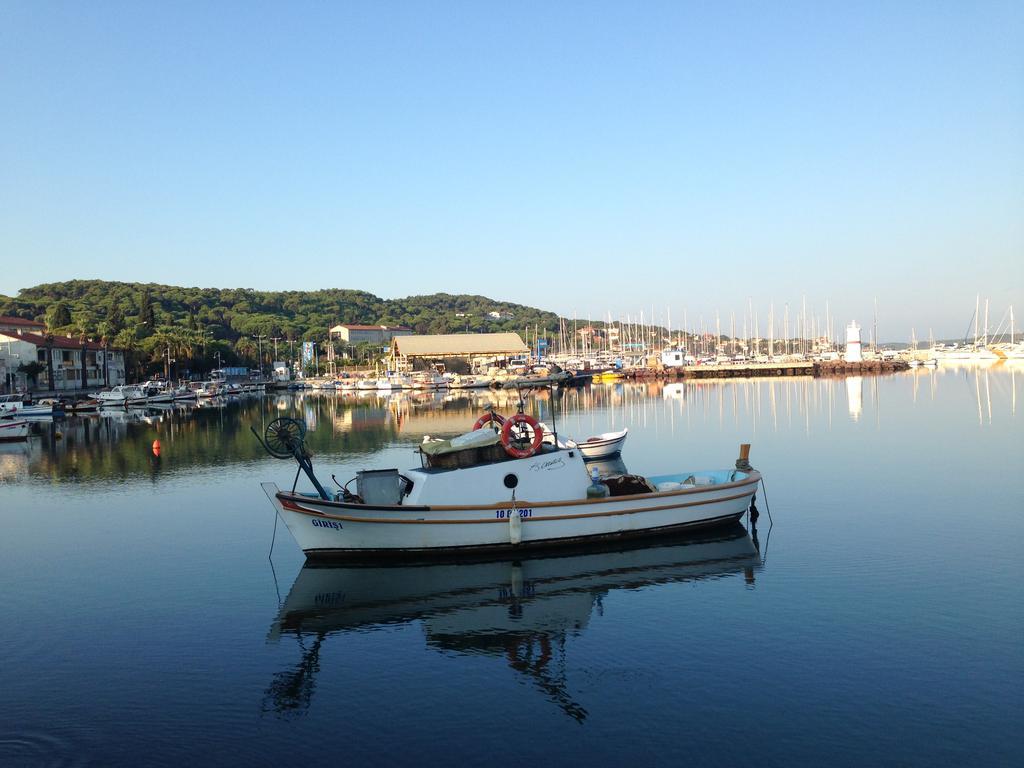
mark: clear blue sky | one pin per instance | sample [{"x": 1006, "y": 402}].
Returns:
[{"x": 592, "y": 157}]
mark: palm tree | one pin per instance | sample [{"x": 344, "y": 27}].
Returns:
[
  {"x": 49, "y": 361},
  {"x": 104, "y": 330},
  {"x": 128, "y": 340}
]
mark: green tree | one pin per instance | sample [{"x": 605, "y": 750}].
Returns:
[
  {"x": 58, "y": 316},
  {"x": 84, "y": 324},
  {"x": 145, "y": 305}
]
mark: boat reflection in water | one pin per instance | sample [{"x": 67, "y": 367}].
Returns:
[{"x": 518, "y": 610}]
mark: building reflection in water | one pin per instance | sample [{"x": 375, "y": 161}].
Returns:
[{"x": 855, "y": 396}]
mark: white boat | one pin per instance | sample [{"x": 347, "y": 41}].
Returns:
[
  {"x": 157, "y": 392},
  {"x": 427, "y": 380},
  {"x": 393, "y": 383},
  {"x": 471, "y": 382},
  {"x": 15, "y": 405},
  {"x": 366, "y": 385},
  {"x": 486, "y": 491},
  {"x": 182, "y": 393},
  {"x": 121, "y": 395},
  {"x": 208, "y": 390},
  {"x": 604, "y": 445},
  {"x": 13, "y": 431}
]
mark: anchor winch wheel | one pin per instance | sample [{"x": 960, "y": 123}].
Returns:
[{"x": 282, "y": 436}]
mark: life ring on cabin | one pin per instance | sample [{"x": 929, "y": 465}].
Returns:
[
  {"x": 509, "y": 443},
  {"x": 487, "y": 418}
]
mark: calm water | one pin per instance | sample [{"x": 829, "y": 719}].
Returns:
[{"x": 880, "y": 619}]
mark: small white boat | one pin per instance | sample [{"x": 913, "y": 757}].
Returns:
[
  {"x": 208, "y": 390},
  {"x": 15, "y": 405},
  {"x": 182, "y": 393},
  {"x": 604, "y": 445},
  {"x": 487, "y": 491},
  {"x": 471, "y": 382},
  {"x": 393, "y": 383},
  {"x": 13, "y": 431},
  {"x": 121, "y": 395},
  {"x": 157, "y": 392},
  {"x": 426, "y": 380}
]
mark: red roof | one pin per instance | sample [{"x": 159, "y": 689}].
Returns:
[
  {"x": 8, "y": 320},
  {"x": 59, "y": 342}
]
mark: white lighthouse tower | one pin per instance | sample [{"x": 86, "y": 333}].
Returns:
[{"x": 852, "y": 344}]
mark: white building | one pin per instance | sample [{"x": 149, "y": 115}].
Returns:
[
  {"x": 853, "y": 351},
  {"x": 75, "y": 364},
  {"x": 676, "y": 358},
  {"x": 351, "y": 333}
]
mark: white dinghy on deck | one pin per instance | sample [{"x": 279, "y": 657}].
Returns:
[{"x": 604, "y": 445}]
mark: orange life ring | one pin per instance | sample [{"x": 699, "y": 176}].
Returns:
[
  {"x": 487, "y": 418},
  {"x": 506, "y": 436}
]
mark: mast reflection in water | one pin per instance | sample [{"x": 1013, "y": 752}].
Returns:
[{"x": 523, "y": 611}]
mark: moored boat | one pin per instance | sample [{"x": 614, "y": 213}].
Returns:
[
  {"x": 496, "y": 491},
  {"x": 121, "y": 395},
  {"x": 22, "y": 407},
  {"x": 208, "y": 390},
  {"x": 13, "y": 430},
  {"x": 183, "y": 393}
]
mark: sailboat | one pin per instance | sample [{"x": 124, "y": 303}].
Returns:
[
  {"x": 914, "y": 361},
  {"x": 1014, "y": 350}
]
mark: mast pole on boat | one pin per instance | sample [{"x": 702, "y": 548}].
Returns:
[
  {"x": 986, "y": 323},
  {"x": 977, "y": 307}
]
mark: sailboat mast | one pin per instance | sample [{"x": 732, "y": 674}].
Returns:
[
  {"x": 977, "y": 307},
  {"x": 986, "y": 322}
]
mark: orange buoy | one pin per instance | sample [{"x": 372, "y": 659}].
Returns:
[{"x": 156, "y": 447}]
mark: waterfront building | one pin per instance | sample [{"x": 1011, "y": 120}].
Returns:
[
  {"x": 469, "y": 346},
  {"x": 65, "y": 363},
  {"x": 351, "y": 333},
  {"x": 10, "y": 324}
]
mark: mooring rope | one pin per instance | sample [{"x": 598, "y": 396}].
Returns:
[
  {"x": 767, "y": 508},
  {"x": 273, "y": 537}
]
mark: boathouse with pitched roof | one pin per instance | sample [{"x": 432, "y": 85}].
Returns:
[{"x": 469, "y": 346}]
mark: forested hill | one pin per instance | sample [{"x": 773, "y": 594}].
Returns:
[{"x": 137, "y": 311}]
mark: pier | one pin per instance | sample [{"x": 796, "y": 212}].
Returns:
[{"x": 754, "y": 370}]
